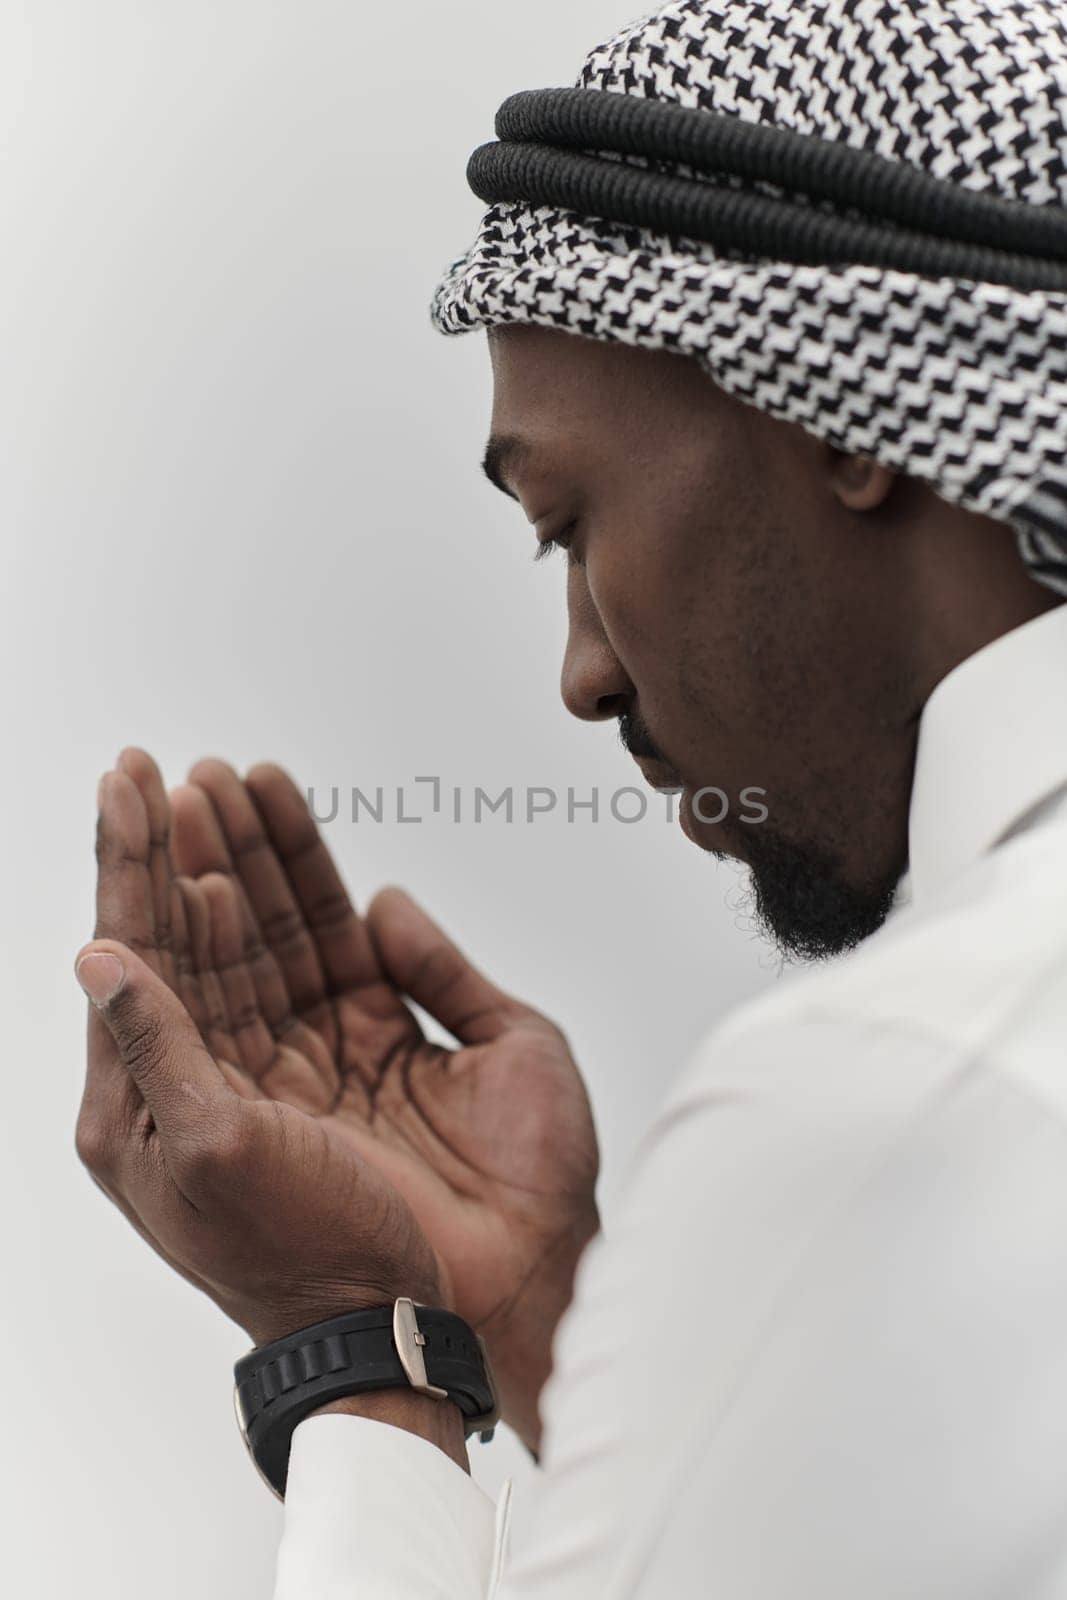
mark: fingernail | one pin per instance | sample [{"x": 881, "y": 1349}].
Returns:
[{"x": 101, "y": 975}]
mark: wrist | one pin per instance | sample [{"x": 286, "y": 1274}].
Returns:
[
  {"x": 438, "y": 1421},
  {"x": 420, "y": 1369},
  {"x": 266, "y": 1325}
]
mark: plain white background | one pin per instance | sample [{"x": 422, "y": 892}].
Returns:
[{"x": 242, "y": 515}]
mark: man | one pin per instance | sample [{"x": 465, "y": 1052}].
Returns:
[{"x": 822, "y": 1350}]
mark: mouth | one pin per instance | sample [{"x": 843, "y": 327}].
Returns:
[
  {"x": 659, "y": 777},
  {"x": 664, "y": 780}
]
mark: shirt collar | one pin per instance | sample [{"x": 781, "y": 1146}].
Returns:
[{"x": 992, "y": 746}]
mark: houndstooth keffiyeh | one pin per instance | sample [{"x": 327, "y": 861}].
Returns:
[{"x": 960, "y": 383}]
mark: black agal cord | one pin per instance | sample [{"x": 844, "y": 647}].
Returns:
[{"x": 546, "y": 154}]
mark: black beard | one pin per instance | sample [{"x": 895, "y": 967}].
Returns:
[
  {"x": 637, "y": 740},
  {"x": 802, "y": 899}
]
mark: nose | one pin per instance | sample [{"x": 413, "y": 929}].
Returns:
[{"x": 594, "y": 683}]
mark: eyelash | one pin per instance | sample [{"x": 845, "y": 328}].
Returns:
[{"x": 546, "y": 547}]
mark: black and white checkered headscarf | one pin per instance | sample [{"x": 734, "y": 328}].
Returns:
[{"x": 958, "y": 382}]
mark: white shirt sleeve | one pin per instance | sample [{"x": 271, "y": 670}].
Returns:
[
  {"x": 376, "y": 1512},
  {"x": 819, "y": 1352}
]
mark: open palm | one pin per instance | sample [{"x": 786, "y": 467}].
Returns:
[{"x": 490, "y": 1143}]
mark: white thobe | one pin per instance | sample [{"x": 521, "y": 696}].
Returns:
[{"x": 820, "y": 1350}]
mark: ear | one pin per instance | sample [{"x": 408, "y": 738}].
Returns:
[{"x": 858, "y": 482}]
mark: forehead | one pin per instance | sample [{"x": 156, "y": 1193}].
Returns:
[
  {"x": 530, "y": 361},
  {"x": 565, "y": 398},
  {"x": 546, "y": 379},
  {"x": 554, "y": 410}
]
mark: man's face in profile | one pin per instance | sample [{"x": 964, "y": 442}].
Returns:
[{"x": 725, "y": 611}]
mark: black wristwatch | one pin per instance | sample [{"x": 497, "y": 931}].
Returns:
[{"x": 432, "y": 1351}]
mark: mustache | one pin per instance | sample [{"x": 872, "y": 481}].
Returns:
[{"x": 637, "y": 740}]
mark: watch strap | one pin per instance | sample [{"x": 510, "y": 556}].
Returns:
[{"x": 384, "y": 1347}]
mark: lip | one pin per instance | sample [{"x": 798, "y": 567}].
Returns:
[
  {"x": 659, "y": 777},
  {"x": 664, "y": 781}
]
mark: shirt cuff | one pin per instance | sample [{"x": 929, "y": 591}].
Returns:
[{"x": 374, "y": 1511}]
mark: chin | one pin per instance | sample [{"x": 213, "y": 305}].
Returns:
[{"x": 714, "y": 838}]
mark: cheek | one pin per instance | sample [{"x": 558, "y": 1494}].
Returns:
[
  {"x": 698, "y": 626},
  {"x": 657, "y": 604},
  {"x": 633, "y": 582}
]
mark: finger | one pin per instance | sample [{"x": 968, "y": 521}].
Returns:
[
  {"x": 425, "y": 964},
  {"x": 255, "y": 1044},
  {"x": 296, "y": 1062},
  {"x": 186, "y": 983},
  {"x": 345, "y": 948},
  {"x": 125, "y": 897},
  {"x": 138, "y": 765},
  {"x": 251, "y": 856},
  {"x": 197, "y": 842},
  {"x": 316, "y": 1048},
  {"x": 272, "y": 992},
  {"x": 111, "y": 1101},
  {"x": 214, "y": 1029},
  {"x": 157, "y": 1041},
  {"x": 199, "y": 847},
  {"x": 208, "y": 1008},
  {"x": 111, "y": 1106}
]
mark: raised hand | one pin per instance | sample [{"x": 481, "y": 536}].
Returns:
[
  {"x": 490, "y": 1145},
  {"x": 263, "y": 1206}
]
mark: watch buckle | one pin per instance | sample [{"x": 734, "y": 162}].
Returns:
[{"x": 409, "y": 1346}]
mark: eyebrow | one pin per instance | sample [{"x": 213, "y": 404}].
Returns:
[{"x": 504, "y": 451}]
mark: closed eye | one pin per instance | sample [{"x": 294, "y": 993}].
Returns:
[{"x": 562, "y": 541}]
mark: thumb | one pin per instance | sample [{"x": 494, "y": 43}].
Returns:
[
  {"x": 426, "y": 965},
  {"x": 155, "y": 1037}
]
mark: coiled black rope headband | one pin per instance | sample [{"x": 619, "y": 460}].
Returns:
[{"x": 912, "y": 222}]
